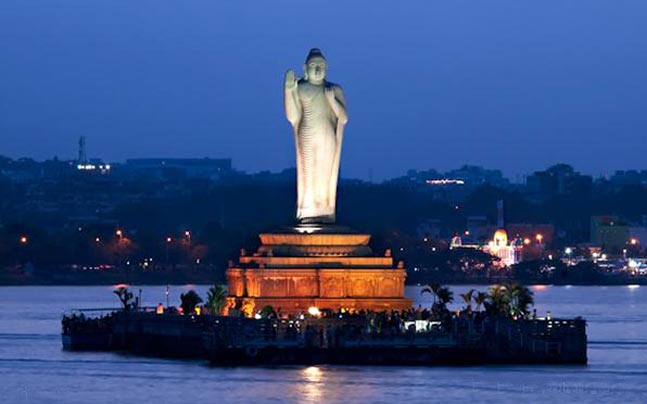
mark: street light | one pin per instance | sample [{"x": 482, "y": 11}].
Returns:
[
  {"x": 633, "y": 241},
  {"x": 568, "y": 251},
  {"x": 187, "y": 234},
  {"x": 120, "y": 234},
  {"x": 24, "y": 240},
  {"x": 166, "y": 252},
  {"x": 539, "y": 238}
]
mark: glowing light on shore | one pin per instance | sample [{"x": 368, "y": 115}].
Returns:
[{"x": 445, "y": 181}]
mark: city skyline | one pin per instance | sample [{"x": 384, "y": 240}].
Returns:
[
  {"x": 443, "y": 174},
  {"x": 518, "y": 88}
]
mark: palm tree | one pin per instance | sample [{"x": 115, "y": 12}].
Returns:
[
  {"x": 497, "y": 300},
  {"x": 480, "y": 299},
  {"x": 189, "y": 300},
  {"x": 431, "y": 288},
  {"x": 467, "y": 298},
  {"x": 125, "y": 297},
  {"x": 519, "y": 299},
  {"x": 442, "y": 297},
  {"x": 510, "y": 299},
  {"x": 445, "y": 296},
  {"x": 216, "y": 297}
]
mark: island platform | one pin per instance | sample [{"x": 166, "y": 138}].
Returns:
[{"x": 349, "y": 340}]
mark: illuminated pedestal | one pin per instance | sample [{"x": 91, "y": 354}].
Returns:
[{"x": 328, "y": 268}]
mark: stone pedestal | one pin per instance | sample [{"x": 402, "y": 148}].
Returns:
[{"x": 325, "y": 267}]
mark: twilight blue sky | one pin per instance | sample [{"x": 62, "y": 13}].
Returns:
[{"x": 515, "y": 84}]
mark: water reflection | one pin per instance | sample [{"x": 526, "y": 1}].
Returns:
[
  {"x": 312, "y": 377},
  {"x": 30, "y": 349}
]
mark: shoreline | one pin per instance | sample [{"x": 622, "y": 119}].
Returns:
[{"x": 638, "y": 282}]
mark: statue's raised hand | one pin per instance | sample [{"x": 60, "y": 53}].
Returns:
[{"x": 290, "y": 80}]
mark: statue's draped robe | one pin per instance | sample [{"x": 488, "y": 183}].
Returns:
[{"x": 318, "y": 142}]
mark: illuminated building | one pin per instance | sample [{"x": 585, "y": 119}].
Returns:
[
  {"x": 509, "y": 252},
  {"x": 456, "y": 242},
  {"x": 445, "y": 181},
  {"x": 328, "y": 268}
]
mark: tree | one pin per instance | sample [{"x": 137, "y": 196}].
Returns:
[
  {"x": 497, "y": 301},
  {"x": 126, "y": 298},
  {"x": 189, "y": 300},
  {"x": 442, "y": 297},
  {"x": 480, "y": 299},
  {"x": 216, "y": 297},
  {"x": 467, "y": 298},
  {"x": 510, "y": 300},
  {"x": 520, "y": 298},
  {"x": 445, "y": 296},
  {"x": 431, "y": 288}
]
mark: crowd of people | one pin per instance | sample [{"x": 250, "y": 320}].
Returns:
[
  {"x": 82, "y": 324},
  {"x": 332, "y": 328}
]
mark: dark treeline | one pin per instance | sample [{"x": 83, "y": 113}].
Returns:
[{"x": 74, "y": 220}]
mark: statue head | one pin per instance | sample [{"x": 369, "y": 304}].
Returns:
[{"x": 315, "y": 68}]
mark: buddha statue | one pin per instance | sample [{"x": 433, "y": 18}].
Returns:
[{"x": 316, "y": 109}]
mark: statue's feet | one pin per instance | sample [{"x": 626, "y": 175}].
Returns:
[{"x": 317, "y": 220}]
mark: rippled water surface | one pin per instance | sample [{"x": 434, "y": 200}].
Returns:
[{"x": 34, "y": 369}]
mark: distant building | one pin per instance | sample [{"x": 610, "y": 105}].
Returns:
[
  {"x": 466, "y": 176},
  {"x": 25, "y": 170},
  {"x": 560, "y": 179},
  {"x": 475, "y": 176},
  {"x": 609, "y": 232},
  {"x": 629, "y": 177},
  {"x": 178, "y": 168}
]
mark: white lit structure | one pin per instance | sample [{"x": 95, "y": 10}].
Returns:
[
  {"x": 508, "y": 252},
  {"x": 445, "y": 181}
]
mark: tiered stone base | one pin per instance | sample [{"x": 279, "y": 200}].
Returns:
[{"x": 328, "y": 268}]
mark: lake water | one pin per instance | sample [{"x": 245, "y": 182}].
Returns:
[{"x": 34, "y": 369}]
